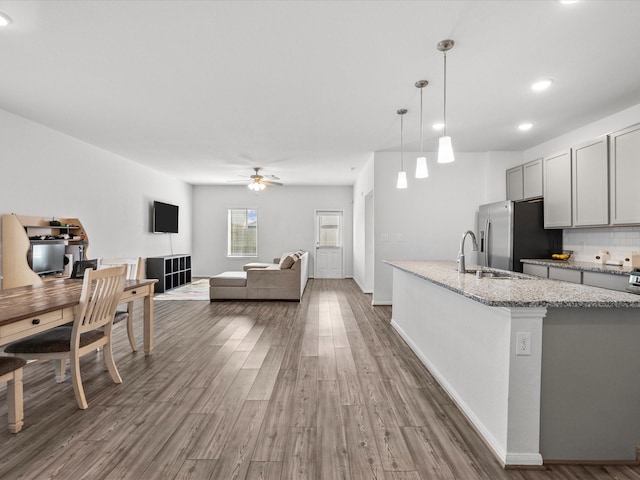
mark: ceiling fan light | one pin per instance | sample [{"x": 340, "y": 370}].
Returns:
[
  {"x": 422, "y": 171},
  {"x": 402, "y": 180},
  {"x": 445, "y": 150}
]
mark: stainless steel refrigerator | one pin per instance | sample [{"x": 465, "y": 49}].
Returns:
[{"x": 509, "y": 231}]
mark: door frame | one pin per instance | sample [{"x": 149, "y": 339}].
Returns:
[{"x": 316, "y": 230}]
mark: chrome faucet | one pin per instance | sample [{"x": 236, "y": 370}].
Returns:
[{"x": 461, "y": 265}]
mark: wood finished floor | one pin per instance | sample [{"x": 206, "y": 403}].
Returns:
[{"x": 324, "y": 389}]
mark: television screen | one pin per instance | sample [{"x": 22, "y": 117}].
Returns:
[
  {"x": 165, "y": 218},
  {"x": 46, "y": 258}
]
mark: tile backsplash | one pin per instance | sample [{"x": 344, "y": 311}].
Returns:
[{"x": 586, "y": 242}]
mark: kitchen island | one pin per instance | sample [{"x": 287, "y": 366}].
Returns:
[{"x": 545, "y": 370}]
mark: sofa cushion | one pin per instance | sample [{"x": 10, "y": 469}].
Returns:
[
  {"x": 247, "y": 266},
  {"x": 287, "y": 262},
  {"x": 229, "y": 279}
]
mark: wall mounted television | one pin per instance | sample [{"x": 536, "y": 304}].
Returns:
[
  {"x": 45, "y": 258},
  {"x": 165, "y": 218}
]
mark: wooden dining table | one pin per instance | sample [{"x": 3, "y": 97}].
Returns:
[{"x": 32, "y": 309}]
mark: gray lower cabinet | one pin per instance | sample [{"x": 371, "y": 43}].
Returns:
[
  {"x": 557, "y": 190},
  {"x": 590, "y": 167},
  {"x": 610, "y": 281},
  {"x": 624, "y": 164},
  {"x": 606, "y": 280},
  {"x": 566, "y": 275},
  {"x": 536, "y": 270}
]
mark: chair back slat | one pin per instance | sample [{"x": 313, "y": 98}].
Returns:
[{"x": 101, "y": 290}]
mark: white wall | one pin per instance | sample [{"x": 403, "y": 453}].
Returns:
[
  {"x": 362, "y": 272},
  {"x": 286, "y": 222},
  {"x": 47, "y": 173},
  {"x": 610, "y": 124},
  {"x": 426, "y": 220}
]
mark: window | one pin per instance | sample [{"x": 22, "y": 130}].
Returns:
[
  {"x": 242, "y": 232},
  {"x": 329, "y": 229}
]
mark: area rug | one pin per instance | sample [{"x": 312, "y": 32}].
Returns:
[{"x": 198, "y": 289}]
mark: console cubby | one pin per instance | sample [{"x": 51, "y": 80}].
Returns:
[{"x": 171, "y": 271}]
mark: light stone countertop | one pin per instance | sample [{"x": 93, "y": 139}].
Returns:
[
  {"x": 583, "y": 266},
  {"x": 522, "y": 291}
]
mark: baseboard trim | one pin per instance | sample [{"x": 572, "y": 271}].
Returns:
[{"x": 508, "y": 460}]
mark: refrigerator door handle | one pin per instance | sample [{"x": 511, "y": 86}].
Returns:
[{"x": 487, "y": 245}]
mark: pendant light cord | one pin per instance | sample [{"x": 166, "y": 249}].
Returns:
[
  {"x": 445, "y": 93},
  {"x": 421, "y": 127},
  {"x": 401, "y": 143}
]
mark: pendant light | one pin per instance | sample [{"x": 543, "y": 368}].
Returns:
[
  {"x": 445, "y": 150},
  {"x": 402, "y": 175},
  {"x": 422, "y": 171}
]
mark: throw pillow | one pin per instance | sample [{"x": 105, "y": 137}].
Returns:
[{"x": 287, "y": 262}]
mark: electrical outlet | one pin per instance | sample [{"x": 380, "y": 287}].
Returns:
[
  {"x": 384, "y": 237},
  {"x": 523, "y": 343}
]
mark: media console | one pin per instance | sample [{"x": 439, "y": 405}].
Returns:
[{"x": 171, "y": 271}]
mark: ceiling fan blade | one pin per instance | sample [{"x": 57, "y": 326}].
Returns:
[
  {"x": 271, "y": 177},
  {"x": 269, "y": 182}
]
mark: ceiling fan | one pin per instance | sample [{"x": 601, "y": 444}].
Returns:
[{"x": 259, "y": 182}]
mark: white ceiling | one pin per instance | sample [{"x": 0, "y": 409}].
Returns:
[{"x": 205, "y": 90}]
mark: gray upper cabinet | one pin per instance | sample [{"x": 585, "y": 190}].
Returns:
[
  {"x": 557, "y": 190},
  {"x": 514, "y": 184},
  {"x": 524, "y": 182},
  {"x": 532, "y": 179},
  {"x": 624, "y": 164},
  {"x": 590, "y": 173}
]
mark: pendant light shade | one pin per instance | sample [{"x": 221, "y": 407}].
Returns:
[
  {"x": 422, "y": 170},
  {"x": 402, "y": 180},
  {"x": 445, "y": 149},
  {"x": 402, "y": 175}
]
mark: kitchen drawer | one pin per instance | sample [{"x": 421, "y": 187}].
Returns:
[
  {"x": 537, "y": 270},
  {"x": 566, "y": 275},
  {"x": 32, "y": 325},
  {"x": 606, "y": 280}
]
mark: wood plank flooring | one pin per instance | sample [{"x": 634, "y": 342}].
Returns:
[{"x": 323, "y": 389}]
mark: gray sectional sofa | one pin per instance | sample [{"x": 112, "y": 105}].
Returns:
[{"x": 285, "y": 279}]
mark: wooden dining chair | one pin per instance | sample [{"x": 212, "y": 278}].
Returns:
[
  {"x": 11, "y": 372},
  {"x": 134, "y": 272},
  {"x": 92, "y": 326}
]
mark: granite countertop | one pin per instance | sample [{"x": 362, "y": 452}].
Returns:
[
  {"x": 520, "y": 291},
  {"x": 584, "y": 266}
]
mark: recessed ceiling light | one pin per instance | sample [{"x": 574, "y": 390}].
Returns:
[
  {"x": 4, "y": 19},
  {"x": 438, "y": 126},
  {"x": 568, "y": 2},
  {"x": 541, "y": 85},
  {"x": 525, "y": 126}
]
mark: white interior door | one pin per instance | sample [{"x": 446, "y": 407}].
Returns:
[{"x": 328, "y": 244}]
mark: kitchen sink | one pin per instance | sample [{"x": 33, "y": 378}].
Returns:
[{"x": 499, "y": 275}]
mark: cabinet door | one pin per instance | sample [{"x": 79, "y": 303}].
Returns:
[
  {"x": 532, "y": 179},
  {"x": 606, "y": 280},
  {"x": 624, "y": 162},
  {"x": 536, "y": 270},
  {"x": 565, "y": 275},
  {"x": 590, "y": 170},
  {"x": 557, "y": 190},
  {"x": 514, "y": 184}
]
